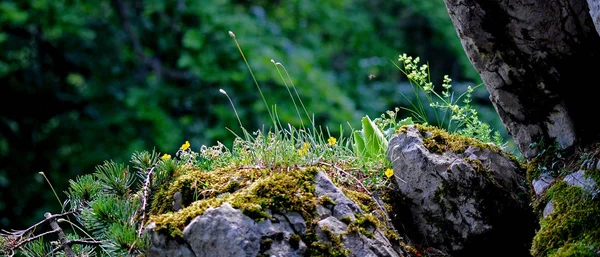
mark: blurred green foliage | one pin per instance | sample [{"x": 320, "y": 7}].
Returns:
[{"x": 82, "y": 82}]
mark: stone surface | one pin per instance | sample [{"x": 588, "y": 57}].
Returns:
[
  {"x": 234, "y": 233},
  {"x": 161, "y": 245},
  {"x": 343, "y": 207},
  {"x": 542, "y": 183},
  {"x": 529, "y": 54},
  {"x": 459, "y": 207},
  {"x": 226, "y": 231},
  {"x": 594, "y": 6},
  {"x": 579, "y": 179}
]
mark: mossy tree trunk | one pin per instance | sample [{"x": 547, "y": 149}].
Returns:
[{"x": 537, "y": 59}]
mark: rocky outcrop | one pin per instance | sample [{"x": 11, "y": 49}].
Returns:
[
  {"x": 335, "y": 229},
  {"x": 529, "y": 54},
  {"x": 469, "y": 201}
]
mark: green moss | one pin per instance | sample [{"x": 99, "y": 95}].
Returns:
[
  {"x": 346, "y": 219},
  {"x": 279, "y": 191},
  {"x": 364, "y": 224},
  {"x": 195, "y": 184},
  {"x": 318, "y": 248},
  {"x": 295, "y": 241},
  {"x": 364, "y": 201},
  {"x": 326, "y": 200},
  {"x": 439, "y": 140},
  {"x": 573, "y": 228}
]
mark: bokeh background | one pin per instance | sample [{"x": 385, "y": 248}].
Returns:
[{"x": 82, "y": 82}]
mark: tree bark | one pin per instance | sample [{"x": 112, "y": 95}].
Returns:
[{"x": 535, "y": 58}]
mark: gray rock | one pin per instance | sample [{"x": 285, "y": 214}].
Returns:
[
  {"x": 332, "y": 225},
  {"x": 177, "y": 201},
  {"x": 594, "y": 6},
  {"x": 578, "y": 179},
  {"x": 297, "y": 222},
  {"x": 542, "y": 183},
  {"x": 163, "y": 245},
  {"x": 223, "y": 231},
  {"x": 344, "y": 207},
  {"x": 361, "y": 245},
  {"x": 548, "y": 209},
  {"x": 462, "y": 203}
]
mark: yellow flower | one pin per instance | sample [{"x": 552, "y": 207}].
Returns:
[
  {"x": 302, "y": 151},
  {"x": 185, "y": 146},
  {"x": 166, "y": 157},
  {"x": 389, "y": 173},
  {"x": 331, "y": 141}
]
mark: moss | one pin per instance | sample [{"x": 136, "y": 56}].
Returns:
[
  {"x": 325, "y": 200},
  {"x": 317, "y": 248},
  {"x": 295, "y": 241},
  {"x": 573, "y": 228},
  {"x": 391, "y": 235},
  {"x": 279, "y": 191},
  {"x": 575, "y": 249},
  {"x": 439, "y": 140},
  {"x": 346, "y": 219},
  {"x": 195, "y": 184},
  {"x": 364, "y": 201},
  {"x": 265, "y": 245},
  {"x": 364, "y": 224}
]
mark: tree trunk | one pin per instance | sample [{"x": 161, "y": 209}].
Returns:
[{"x": 536, "y": 59}]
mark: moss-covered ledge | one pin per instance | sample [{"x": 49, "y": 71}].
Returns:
[{"x": 255, "y": 191}]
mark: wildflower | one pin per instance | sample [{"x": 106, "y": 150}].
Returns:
[
  {"x": 166, "y": 157},
  {"x": 302, "y": 151},
  {"x": 331, "y": 141},
  {"x": 185, "y": 146},
  {"x": 389, "y": 172}
]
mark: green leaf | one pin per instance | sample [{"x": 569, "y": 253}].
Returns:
[
  {"x": 404, "y": 122},
  {"x": 375, "y": 141},
  {"x": 359, "y": 143}
]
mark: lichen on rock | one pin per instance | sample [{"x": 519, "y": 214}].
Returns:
[
  {"x": 464, "y": 196},
  {"x": 272, "y": 213}
]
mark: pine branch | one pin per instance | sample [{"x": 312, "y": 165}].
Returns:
[{"x": 29, "y": 239}]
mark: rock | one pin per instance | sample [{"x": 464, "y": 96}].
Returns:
[
  {"x": 548, "y": 209},
  {"x": 542, "y": 183},
  {"x": 595, "y": 13},
  {"x": 297, "y": 222},
  {"x": 177, "y": 202},
  {"x": 343, "y": 207},
  {"x": 578, "y": 179},
  {"x": 226, "y": 227},
  {"x": 332, "y": 225},
  {"x": 462, "y": 203},
  {"x": 162, "y": 245},
  {"x": 226, "y": 231}
]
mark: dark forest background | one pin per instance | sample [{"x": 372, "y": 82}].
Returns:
[{"x": 82, "y": 82}]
